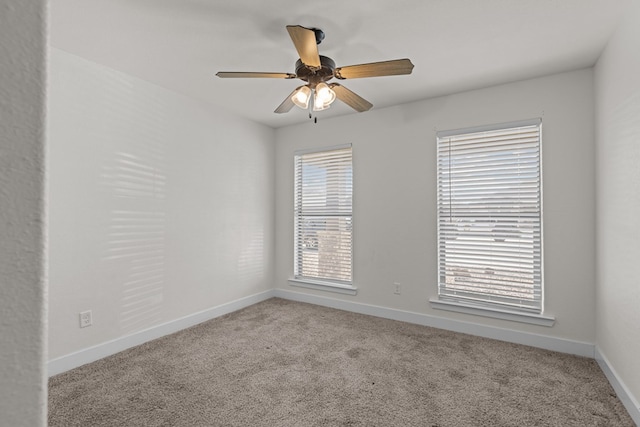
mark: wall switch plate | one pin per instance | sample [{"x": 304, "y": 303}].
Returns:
[
  {"x": 396, "y": 288},
  {"x": 85, "y": 319}
]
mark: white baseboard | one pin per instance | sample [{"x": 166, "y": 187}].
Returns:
[
  {"x": 91, "y": 354},
  {"x": 628, "y": 400},
  {"x": 534, "y": 340}
]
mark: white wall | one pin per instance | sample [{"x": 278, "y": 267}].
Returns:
[
  {"x": 160, "y": 206},
  {"x": 617, "y": 78},
  {"x": 23, "y": 47},
  {"x": 395, "y": 195}
]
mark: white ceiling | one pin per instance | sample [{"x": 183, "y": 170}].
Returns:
[{"x": 455, "y": 45}]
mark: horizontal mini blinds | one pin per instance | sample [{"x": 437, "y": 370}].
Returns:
[
  {"x": 490, "y": 217},
  {"x": 323, "y": 215}
]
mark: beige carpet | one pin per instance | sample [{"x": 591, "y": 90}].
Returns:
[{"x": 283, "y": 363}]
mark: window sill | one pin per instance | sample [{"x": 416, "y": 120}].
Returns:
[
  {"x": 324, "y": 286},
  {"x": 496, "y": 313}
]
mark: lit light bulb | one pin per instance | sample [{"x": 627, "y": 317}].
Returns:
[
  {"x": 318, "y": 105},
  {"x": 324, "y": 96},
  {"x": 301, "y": 97}
]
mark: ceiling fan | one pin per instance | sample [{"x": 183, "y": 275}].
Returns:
[{"x": 317, "y": 70}]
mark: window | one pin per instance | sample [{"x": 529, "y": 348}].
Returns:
[
  {"x": 490, "y": 217},
  {"x": 323, "y": 217}
]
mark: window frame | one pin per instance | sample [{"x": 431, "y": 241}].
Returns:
[
  {"x": 494, "y": 308},
  {"x": 325, "y": 284}
]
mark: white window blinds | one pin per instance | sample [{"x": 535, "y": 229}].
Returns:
[
  {"x": 323, "y": 215},
  {"x": 490, "y": 216}
]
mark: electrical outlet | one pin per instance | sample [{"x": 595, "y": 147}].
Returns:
[
  {"x": 85, "y": 318},
  {"x": 396, "y": 288}
]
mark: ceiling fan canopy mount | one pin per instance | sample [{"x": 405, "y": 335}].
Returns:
[{"x": 319, "y": 34}]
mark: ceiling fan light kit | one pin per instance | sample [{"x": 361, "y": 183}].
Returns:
[{"x": 317, "y": 70}]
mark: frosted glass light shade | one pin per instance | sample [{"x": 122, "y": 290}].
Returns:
[
  {"x": 324, "y": 93},
  {"x": 301, "y": 97},
  {"x": 324, "y": 96}
]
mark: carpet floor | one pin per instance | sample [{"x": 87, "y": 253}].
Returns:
[{"x": 284, "y": 363}]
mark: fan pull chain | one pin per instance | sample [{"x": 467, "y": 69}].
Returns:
[{"x": 312, "y": 100}]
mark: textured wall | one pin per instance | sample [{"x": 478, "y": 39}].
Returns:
[
  {"x": 394, "y": 163},
  {"x": 160, "y": 206},
  {"x": 618, "y": 207},
  {"x": 22, "y": 213}
]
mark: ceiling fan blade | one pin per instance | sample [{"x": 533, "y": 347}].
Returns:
[
  {"x": 241, "y": 74},
  {"x": 375, "y": 69},
  {"x": 287, "y": 104},
  {"x": 304, "y": 40},
  {"x": 350, "y": 98}
]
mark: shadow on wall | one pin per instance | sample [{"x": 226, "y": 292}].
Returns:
[{"x": 135, "y": 247}]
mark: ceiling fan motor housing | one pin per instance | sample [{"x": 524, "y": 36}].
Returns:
[{"x": 315, "y": 76}]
